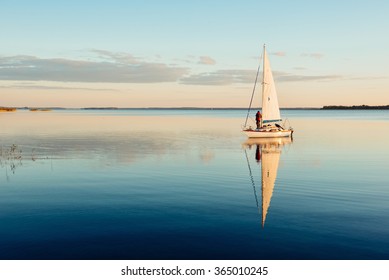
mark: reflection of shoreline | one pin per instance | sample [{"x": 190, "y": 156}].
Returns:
[
  {"x": 112, "y": 141},
  {"x": 115, "y": 139},
  {"x": 267, "y": 153}
]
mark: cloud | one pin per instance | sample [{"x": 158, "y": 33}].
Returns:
[
  {"x": 220, "y": 77},
  {"x": 369, "y": 78},
  {"x": 115, "y": 68},
  {"x": 288, "y": 77},
  {"x": 228, "y": 77},
  {"x": 313, "y": 55},
  {"x": 118, "y": 67},
  {"x": 206, "y": 60},
  {"x": 40, "y": 87},
  {"x": 119, "y": 57},
  {"x": 279, "y": 53}
]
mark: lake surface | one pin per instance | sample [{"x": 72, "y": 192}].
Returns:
[{"x": 186, "y": 184}]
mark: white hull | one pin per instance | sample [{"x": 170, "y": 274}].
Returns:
[{"x": 268, "y": 134}]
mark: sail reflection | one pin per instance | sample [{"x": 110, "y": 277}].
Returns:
[{"x": 267, "y": 154}]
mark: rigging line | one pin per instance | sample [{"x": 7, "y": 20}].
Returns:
[
  {"x": 252, "y": 95},
  {"x": 252, "y": 180}
]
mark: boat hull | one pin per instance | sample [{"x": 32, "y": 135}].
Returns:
[{"x": 268, "y": 134}]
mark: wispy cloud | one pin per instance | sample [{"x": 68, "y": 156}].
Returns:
[
  {"x": 228, "y": 77},
  {"x": 220, "y": 77},
  {"x": 279, "y": 53},
  {"x": 118, "y": 57},
  {"x": 41, "y": 87},
  {"x": 313, "y": 55},
  {"x": 118, "y": 67},
  {"x": 115, "y": 68},
  {"x": 289, "y": 77},
  {"x": 369, "y": 78},
  {"x": 206, "y": 60},
  {"x": 299, "y": 68}
]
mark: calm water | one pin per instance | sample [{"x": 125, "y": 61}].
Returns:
[{"x": 185, "y": 184}]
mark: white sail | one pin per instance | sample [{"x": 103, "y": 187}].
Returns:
[
  {"x": 270, "y": 108},
  {"x": 270, "y": 160}
]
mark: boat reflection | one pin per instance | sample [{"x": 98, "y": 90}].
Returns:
[{"x": 267, "y": 154}]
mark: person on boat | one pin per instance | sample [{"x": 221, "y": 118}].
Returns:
[{"x": 258, "y": 118}]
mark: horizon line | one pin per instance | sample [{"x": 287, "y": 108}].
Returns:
[{"x": 196, "y": 108}]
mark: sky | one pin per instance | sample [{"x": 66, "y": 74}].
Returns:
[{"x": 192, "y": 53}]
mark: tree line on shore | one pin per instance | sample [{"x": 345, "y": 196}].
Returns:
[{"x": 355, "y": 107}]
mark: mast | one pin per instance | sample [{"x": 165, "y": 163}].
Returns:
[{"x": 263, "y": 79}]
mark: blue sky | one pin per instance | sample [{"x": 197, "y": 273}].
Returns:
[{"x": 191, "y": 53}]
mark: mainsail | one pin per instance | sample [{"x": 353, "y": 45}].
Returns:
[{"x": 270, "y": 109}]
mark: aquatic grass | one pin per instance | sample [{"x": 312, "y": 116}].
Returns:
[
  {"x": 13, "y": 157},
  {"x": 12, "y": 153}
]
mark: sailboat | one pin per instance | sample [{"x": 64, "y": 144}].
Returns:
[
  {"x": 268, "y": 152},
  {"x": 269, "y": 125}
]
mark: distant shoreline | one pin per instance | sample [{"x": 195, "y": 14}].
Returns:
[
  {"x": 356, "y": 107},
  {"x": 329, "y": 107}
]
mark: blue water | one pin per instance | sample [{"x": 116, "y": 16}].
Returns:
[{"x": 180, "y": 188}]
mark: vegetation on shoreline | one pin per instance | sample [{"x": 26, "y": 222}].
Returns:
[
  {"x": 7, "y": 109},
  {"x": 40, "y": 109},
  {"x": 356, "y": 107}
]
